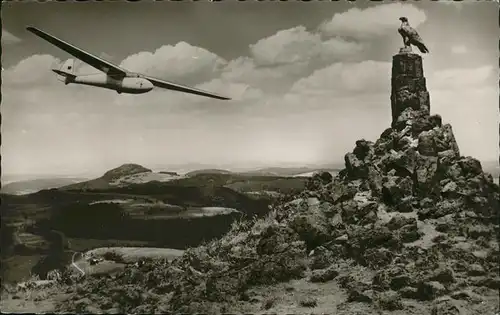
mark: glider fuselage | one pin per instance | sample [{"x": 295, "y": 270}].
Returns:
[{"x": 128, "y": 84}]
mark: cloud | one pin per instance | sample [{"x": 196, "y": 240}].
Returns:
[
  {"x": 277, "y": 61},
  {"x": 374, "y": 21},
  {"x": 8, "y": 38},
  {"x": 458, "y": 4},
  {"x": 346, "y": 78},
  {"x": 296, "y": 45},
  {"x": 180, "y": 62},
  {"x": 459, "y": 49},
  {"x": 32, "y": 70}
]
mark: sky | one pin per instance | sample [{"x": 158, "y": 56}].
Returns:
[{"x": 307, "y": 79}]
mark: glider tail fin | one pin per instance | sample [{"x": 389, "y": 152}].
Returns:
[{"x": 66, "y": 72}]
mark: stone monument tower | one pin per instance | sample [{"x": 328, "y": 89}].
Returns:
[{"x": 408, "y": 85}]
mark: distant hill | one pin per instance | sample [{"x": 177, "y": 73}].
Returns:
[
  {"x": 286, "y": 171},
  {"x": 269, "y": 179},
  {"x": 208, "y": 171},
  {"x": 124, "y": 170},
  {"x": 110, "y": 177},
  {"x": 30, "y": 186}
]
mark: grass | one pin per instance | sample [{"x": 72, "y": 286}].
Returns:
[
  {"x": 83, "y": 245},
  {"x": 19, "y": 267}
]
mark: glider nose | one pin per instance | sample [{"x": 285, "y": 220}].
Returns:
[{"x": 146, "y": 85}]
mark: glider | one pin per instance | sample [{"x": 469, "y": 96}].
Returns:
[
  {"x": 113, "y": 76},
  {"x": 410, "y": 36}
]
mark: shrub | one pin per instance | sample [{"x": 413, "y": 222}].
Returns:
[{"x": 113, "y": 256}]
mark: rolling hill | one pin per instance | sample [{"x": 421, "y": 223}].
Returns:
[
  {"x": 131, "y": 204},
  {"x": 30, "y": 186}
]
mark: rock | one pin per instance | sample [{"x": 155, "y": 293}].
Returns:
[
  {"x": 406, "y": 205},
  {"x": 356, "y": 295},
  {"x": 470, "y": 166},
  {"x": 390, "y": 301},
  {"x": 395, "y": 189},
  {"x": 430, "y": 290},
  {"x": 476, "y": 270},
  {"x": 308, "y": 302},
  {"x": 398, "y": 221},
  {"x": 324, "y": 275},
  {"x": 325, "y": 177},
  {"x": 278, "y": 267},
  {"x": 312, "y": 228},
  {"x": 318, "y": 180},
  {"x": 409, "y": 233},
  {"x": 273, "y": 237},
  {"x": 321, "y": 258},
  {"x": 409, "y": 292},
  {"x": 375, "y": 180},
  {"x": 489, "y": 282},
  {"x": 338, "y": 250},
  {"x": 426, "y": 144},
  {"x": 443, "y": 275},
  {"x": 477, "y": 231},
  {"x": 356, "y": 211},
  {"x": 355, "y": 167},
  {"x": 90, "y": 309},
  {"x": 386, "y": 142},
  {"x": 447, "y": 307},
  {"x": 83, "y": 303},
  {"x": 424, "y": 122},
  {"x": 467, "y": 295},
  {"x": 399, "y": 282},
  {"x": 426, "y": 171},
  {"x": 377, "y": 258},
  {"x": 342, "y": 239},
  {"x": 342, "y": 192},
  {"x": 363, "y": 149},
  {"x": 372, "y": 237}
]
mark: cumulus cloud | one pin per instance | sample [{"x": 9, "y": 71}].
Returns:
[
  {"x": 297, "y": 45},
  {"x": 277, "y": 61},
  {"x": 374, "y": 21},
  {"x": 32, "y": 70},
  {"x": 8, "y": 38},
  {"x": 181, "y": 62},
  {"x": 346, "y": 78},
  {"x": 459, "y": 49},
  {"x": 457, "y": 3}
]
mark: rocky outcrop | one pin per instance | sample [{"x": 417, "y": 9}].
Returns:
[{"x": 408, "y": 218}]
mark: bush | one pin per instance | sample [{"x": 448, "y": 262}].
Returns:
[
  {"x": 49, "y": 263},
  {"x": 113, "y": 256}
]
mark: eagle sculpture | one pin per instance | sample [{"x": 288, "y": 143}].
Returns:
[{"x": 410, "y": 36}]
